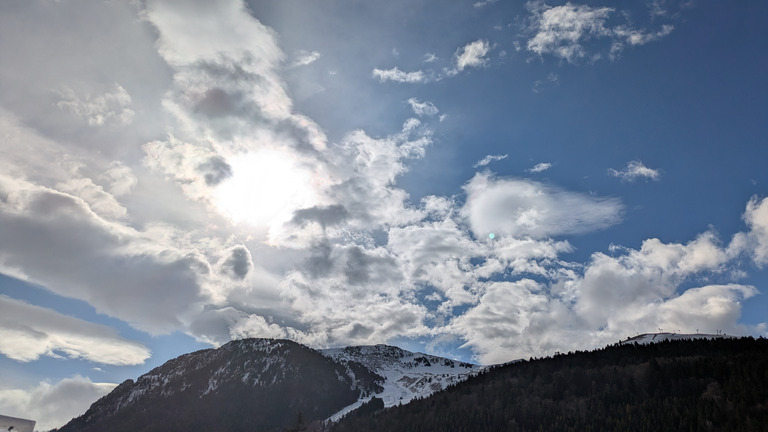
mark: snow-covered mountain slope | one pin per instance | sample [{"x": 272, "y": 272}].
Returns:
[
  {"x": 406, "y": 375},
  {"x": 647, "y": 338}
]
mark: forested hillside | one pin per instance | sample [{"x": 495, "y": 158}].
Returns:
[{"x": 696, "y": 385}]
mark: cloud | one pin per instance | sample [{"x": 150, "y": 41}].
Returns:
[
  {"x": 756, "y": 217},
  {"x": 119, "y": 179},
  {"x": 488, "y": 159},
  {"x": 484, "y": 3},
  {"x": 214, "y": 170},
  {"x": 31, "y": 331},
  {"x": 226, "y": 79},
  {"x": 605, "y": 300},
  {"x": 527, "y": 208},
  {"x": 422, "y": 108},
  {"x": 48, "y": 234},
  {"x": 367, "y": 169},
  {"x": 239, "y": 262},
  {"x": 397, "y": 75},
  {"x": 643, "y": 277},
  {"x": 639, "y": 37},
  {"x": 472, "y": 55},
  {"x": 325, "y": 216},
  {"x": 110, "y": 107},
  {"x": 505, "y": 312},
  {"x": 551, "y": 81},
  {"x": 563, "y": 31},
  {"x": 303, "y": 58},
  {"x": 53, "y": 404},
  {"x": 635, "y": 170},
  {"x": 539, "y": 167}
]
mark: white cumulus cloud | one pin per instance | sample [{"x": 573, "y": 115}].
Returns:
[
  {"x": 488, "y": 159},
  {"x": 472, "y": 55},
  {"x": 635, "y": 170},
  {"x": 425, "y": 108},
  {"x": 539, "y": 167},
  {"x": 303, "y": 58}
]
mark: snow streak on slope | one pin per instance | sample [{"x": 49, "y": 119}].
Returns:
[
  {"x": 647, "y": 338},
  {"x": 407, "y": 375}
]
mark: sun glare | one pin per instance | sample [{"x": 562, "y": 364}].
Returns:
[{"x": 265, "y": 189}]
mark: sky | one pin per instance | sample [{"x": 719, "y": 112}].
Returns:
[{"x": 483, "y": 180}]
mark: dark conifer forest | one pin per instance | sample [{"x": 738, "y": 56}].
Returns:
[{"x": 694, "y": 385}]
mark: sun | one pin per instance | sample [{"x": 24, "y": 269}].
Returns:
[{"x": 265, "y": 188}]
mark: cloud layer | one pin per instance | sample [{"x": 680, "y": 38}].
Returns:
[{"x": 31, "y": 331}]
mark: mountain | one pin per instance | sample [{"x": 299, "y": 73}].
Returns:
[
  {"x": 251, "y": 384},
  {"x": 707, "y": 382},
  {"x": 694, "y": 384},
  {"x": 406, "y": 375},
  {"x": 266, "y": 385}
]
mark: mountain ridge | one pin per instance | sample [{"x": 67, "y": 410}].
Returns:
[
  {"x": 274, "y": 379},
  {"x": 271, "y": 384}
]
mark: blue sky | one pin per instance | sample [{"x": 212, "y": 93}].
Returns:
[{"x": 179, "y": 174}]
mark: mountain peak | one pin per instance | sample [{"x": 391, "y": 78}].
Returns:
[{"x": 405, "y": 375}]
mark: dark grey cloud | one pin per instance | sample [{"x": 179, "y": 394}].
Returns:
[
  {"x": 362, "y": 267},
  {"x": 239, "y": 262},
  {"x": 324, "y": 215},
  {"x": 359, "y": 331},
  {"x": 217, "y": 102},
  {"x": 319, "y": 263},
  {"x": 215, "y": 170}
]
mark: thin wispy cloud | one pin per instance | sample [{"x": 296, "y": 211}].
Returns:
[
  {"x": 488, "y": 159},
  {"x": 303, "y": 58},
  {"x": 539, "y": 167},
  {"x": 635, "y": 170},
  {"x": 471, "y": 55},
  {"x": 425, "y": 108},
  {"x": 551, "y": 81},
  {"x": 396, "y": 75},
  {"x": 484, "y": 3}
]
